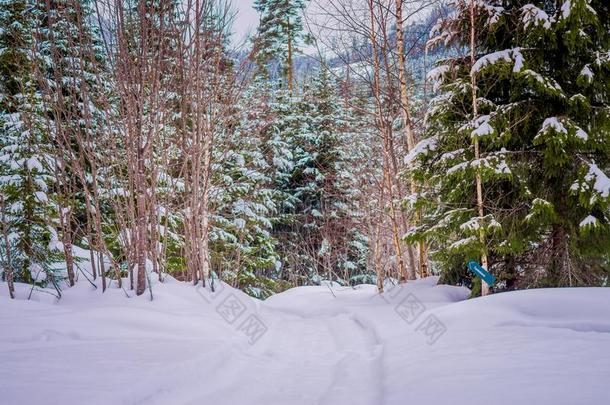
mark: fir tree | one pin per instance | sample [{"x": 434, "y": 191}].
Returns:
[
  {"x": 26, "y": 160},
  {"x": 244, "y": 202},
  {"x": 280, "y": 35},
  {"x": 319, "y": 233},
  {"x": 543, "y": 125}
]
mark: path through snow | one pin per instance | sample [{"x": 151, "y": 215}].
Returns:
[{"x": 348, "y": 346}]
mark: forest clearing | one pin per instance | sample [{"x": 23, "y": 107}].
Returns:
[{"x": 304, "y": 201}]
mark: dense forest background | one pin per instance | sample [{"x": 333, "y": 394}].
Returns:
[{"x": 416, "y": 137}]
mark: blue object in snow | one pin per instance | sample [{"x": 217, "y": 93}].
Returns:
[{"x": 481, "y": 272}]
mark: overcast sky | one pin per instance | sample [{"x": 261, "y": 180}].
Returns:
[{"x": 246, "y": 21}]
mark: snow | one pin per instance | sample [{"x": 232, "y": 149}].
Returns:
[
  {"x": 581, "y": 134},
  {"x": 482, "y": 127},
  {"x": 566, "y": 8},
  {"x": 587, "y": 73},
  {"x": 458, "y": 167},
  {"x": 596, "y": 179},
  {"x": 533, "y": 15},
  {"x": 451, "y": 155},
  {"x": 41, "y": 196},
  {"x": 471, "y": 225},
  {"x": 421, "y": 148},
  {"x": 493, "y": 12},
  {"x": 553, "y": 123},
  {"x": 239, "y": 223},
  {"x": 601, "y": 182},
  {"x": 589, "y": 220},
  {"x": 33, "y": 163},
  {"x": 601, "y": 58},
  {"x": 494, "y": 161},
  {"x": 548, "y": 83},
  {"x": 436, "y": 75},
  {"x": 507, "y": 55},
  {"x": 420, "y": 343},
  {"x": 502, "y": 168}
]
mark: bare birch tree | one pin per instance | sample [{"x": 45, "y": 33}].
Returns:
[
  {"x": 477, "y": 153},
  {"x": 360, "y": 37}
]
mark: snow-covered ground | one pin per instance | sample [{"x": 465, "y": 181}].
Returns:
[{"x": 419, "y": 344}]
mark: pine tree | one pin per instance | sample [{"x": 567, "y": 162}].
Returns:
[
  {"x": 319, "y": 233},
  {"x": 543, "y": 126},
  {"x": 333, "y": 175},
  {"x": 244, "y": 201},
  {"x": 26, "y": 159},
  {"x": 280, "y": 35}
]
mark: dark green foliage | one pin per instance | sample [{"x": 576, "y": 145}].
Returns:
[
  {"x": 542, "y": 77},
  {"x": 26, "y": 162},
  {"x": 319, "y": 233},
  {"x": 281, "y": 23}
]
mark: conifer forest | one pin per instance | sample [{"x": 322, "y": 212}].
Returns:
[{"x": 304, "y": 202}]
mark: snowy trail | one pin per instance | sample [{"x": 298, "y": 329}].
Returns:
[
  {"x": 348, "y": 346},
  {"x": 360, "y": 364},
  {"x": 303, "y": 360}
]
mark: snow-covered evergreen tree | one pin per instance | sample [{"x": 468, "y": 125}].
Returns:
[
  {"x": 76, "y": 96},
  {"x": 318, "y": 234},
  {"x": 280, "y": 34},
  {"x": 26, "y": 159},
  {"x": 543, "y": 125},
  {"x": 243, "y": 248}
]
